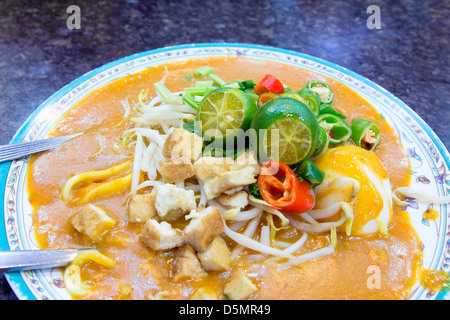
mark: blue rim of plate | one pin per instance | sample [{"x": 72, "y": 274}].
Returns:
[{"x": 16, "y": 279}]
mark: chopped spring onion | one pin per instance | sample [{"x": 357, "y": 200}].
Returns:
[
  {"x": 190, "y": 101},
  {"x": 203, "y": 71},
  {"x": 204, "y": 84},
  {"x": 162, "y": 90},
  {"x": 197, "y": 91},
  {"x": 217, "y": 80}
]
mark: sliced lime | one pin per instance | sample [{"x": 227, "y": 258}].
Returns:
[
  {"x": 292, "y": 130},
  {"x": 224, "y": 111}
]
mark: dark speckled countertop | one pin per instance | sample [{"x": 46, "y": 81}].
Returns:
[{"x": 408, "y": 56}]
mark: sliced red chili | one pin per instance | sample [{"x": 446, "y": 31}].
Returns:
[
  {"x": 266, "y": 96},
  {"x": 269, "y": 84},
  {"x": 280, "y": 187}
]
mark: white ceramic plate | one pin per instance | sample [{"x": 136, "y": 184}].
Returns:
[{"x": 429, "y": 159}]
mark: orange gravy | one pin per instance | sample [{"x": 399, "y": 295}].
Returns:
[{"x": 347, "y": 274}]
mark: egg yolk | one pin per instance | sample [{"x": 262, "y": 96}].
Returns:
[{"x": 372, "y": 208}]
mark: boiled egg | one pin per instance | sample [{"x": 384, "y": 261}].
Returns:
[{"x": 356, "y": 176}]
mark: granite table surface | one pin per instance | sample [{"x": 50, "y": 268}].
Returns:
[{"x": 408, "y": 54}]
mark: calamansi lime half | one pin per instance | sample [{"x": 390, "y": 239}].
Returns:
[
  {"x": 287, "y": 130},
  {"x": 224, "y": 111}
]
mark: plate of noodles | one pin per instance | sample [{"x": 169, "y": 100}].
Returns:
[{"x": 230, "y": 171}]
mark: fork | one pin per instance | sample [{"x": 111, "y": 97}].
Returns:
[
  {"x": 19, "y": 150},
  {"x": 16, "y": 260}
]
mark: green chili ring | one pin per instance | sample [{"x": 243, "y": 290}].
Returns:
[
  {"x": 309, "y": 171},
  {"x": 362, "y": 127},
  {"x": 338, "y": 130},
  {"x": 323, "y": 140},
  {"x": 326, "y": 108},
  {"x": 311, "y": 99},
  {"x": 322, "y": 89}
]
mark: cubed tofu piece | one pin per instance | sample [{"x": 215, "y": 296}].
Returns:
[
  {"x": 161, "y": 235},
  {"x": 207, "y": 167},
  {"x": 183, "y": 143},
  {"x": 214, "y": 187},
  {"x": 186, "y": 264},
  {"x": 92, "y": 221},
  {"x": 239, "y": 287},
  {"x": 235, "y": 200},
  {"x": 204, "y": 228},
  {"x": 176, "y": 169},
  {"x": 204, "y": 294},
  {"x": 217, "y": 255},
  {"x": 141, "y": 207},
  {"x": 173, "y": 202}
]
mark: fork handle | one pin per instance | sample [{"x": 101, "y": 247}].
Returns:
[{"x": 19, "y": 150}]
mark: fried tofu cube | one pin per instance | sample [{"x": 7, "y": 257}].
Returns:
[
  {"x": 215, "y": 186},
  {"x": 239, "y": 287},
  {"x": 92, "y": 221},
  {"x": 235, "y": 200},
  {"x": 161, "y": 235},
  {"x": 173, "y": 202},
  {"x": 182, "y": 143},
  {"x": 206, "y": 167},
  {"x": 217, "y": 255},
  {"x": 204, "y": 294},
  {"x": 186, "y": 264},
  {"x": 176, "y": 169},
  {"x": 223, "y": 174},
  {"x": 141, "y": 207},
  {"x": 202, "y": 229}
]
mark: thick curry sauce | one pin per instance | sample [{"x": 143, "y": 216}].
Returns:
[{"x": 140, "y": 272}]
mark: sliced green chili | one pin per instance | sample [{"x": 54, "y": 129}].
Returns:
[
  {"x": 326, "y": 108},
  {"x": 366, "y": 133},
  {"x": 322, "y": 89},
  {"x": 311, "y": 99},
  {"x": 309, "y": 171},
  {"x": 323, "y": 139},
  {"x": 338, "y": 130}
]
